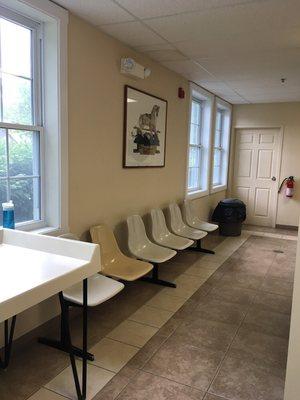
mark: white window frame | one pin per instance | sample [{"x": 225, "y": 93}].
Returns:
[
  {"x": 36, "y": 104},
  {"x": 54, "y": 114},
  {"x": 207, "y": 98},
  {"x": 225, "y": 145}
]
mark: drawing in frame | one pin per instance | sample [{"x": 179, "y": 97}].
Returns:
[{"x": 145, "y": 126}]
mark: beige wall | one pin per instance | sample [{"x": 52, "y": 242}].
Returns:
[
  {"x": 100, "y": 190},
  {"x": 286, "y": 115}
]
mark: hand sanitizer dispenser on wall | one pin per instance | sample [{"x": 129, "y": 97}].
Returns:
[{"x": 8, "y": 215}]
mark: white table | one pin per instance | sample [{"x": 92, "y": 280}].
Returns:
[{"x": 36, "y": 267}]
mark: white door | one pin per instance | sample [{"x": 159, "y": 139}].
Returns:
[{"x": 256, "y": 173}]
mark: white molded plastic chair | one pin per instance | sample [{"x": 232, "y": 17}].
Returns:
[
  {"x": 161, "y": 234},
  {"x": 194, "y": 221},
  {"x": 142, "y": 248},
  {"x": 99, "y": 289},
  {"x": 180, "y": 228}
]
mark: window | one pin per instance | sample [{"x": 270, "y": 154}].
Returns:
[
  {"x": 199, "y": 143},
  {"x": 20, "y": 178},
  {"x": 34, "y": 113},
  {"x": 221, "y": 146},
  {"x": 196, "y": 146},
  {"x": 218, "y": 149}
]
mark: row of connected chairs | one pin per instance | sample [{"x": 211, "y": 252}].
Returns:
[
  {"x": 166, "y": 242},
  {"x": 147, "y": 254},
  {"x": 116, "y": 267}
]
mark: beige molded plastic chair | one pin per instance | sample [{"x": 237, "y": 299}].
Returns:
[
  {"x": 180, "y": 228},
  {"x": 141, "y": 247},
  {"x": 161, "y": 234},
  {"x": 114, "y": 263},
  {"x": 194, "y": 221},
  {"x": 100, "y": 288}
]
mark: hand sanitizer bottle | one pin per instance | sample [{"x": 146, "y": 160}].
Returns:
[{"x": 8, "y": 215}]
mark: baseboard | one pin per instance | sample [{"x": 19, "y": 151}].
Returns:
[{"x": 291, "y": 227}]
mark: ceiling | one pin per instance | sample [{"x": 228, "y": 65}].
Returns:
[{"x": 238, "y": 49}]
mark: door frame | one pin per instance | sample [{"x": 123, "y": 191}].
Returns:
[{"x": 280, "y": 129}]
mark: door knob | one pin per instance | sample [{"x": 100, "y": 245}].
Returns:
[{"x": 273, "y": 178}]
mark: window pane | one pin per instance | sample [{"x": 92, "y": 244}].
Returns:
[
  {"x": 217, "y": 138},
  {"x": 15, "y": 48},
  {"x": 17, "y": 100},
  {"x": 194, "y": 179},
  {"x": 25, "y": 194},
  {"x": 195, "y": 135},
  {"x": 24, "y": 152},
  {"x": 3, "y": 159},
  {"x": 219, "y": 120},
  {"x": 195, "y": 157},
  {"x": 196, "y": 112},
  {"x": 3, "y": 194},
  {"x": 217, "y": 167}
]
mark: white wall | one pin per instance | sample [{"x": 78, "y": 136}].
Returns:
[{"x": 292, "y": 385}]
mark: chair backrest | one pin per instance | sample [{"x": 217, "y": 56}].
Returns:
[
  {"x": 104, "y": 236},
  {"x": 137, "y": 237},
  {"x": 176, "y": 220},
  {"x": 159, "y": 226},
  {"x": 70, "y": 236},
  {"x": 188, "y": 211}
]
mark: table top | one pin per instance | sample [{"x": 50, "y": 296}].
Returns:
[{"x": 33, "y": 269}]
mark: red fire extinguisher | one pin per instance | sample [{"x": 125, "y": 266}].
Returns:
[{"x": 289, "y": 186}]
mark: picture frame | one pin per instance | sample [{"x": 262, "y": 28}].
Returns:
[{"x": 145, "y": 129}]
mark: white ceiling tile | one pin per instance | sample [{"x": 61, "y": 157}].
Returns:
[
  {"x": 188, "y": 69},
  {"x": 166, "y": 55},
  {"x": 132, "y": 33},
  {"x": 226, "y": 44},
  {"x": 97, "y": 12},
  {"x": 266, "y": 65},
  {"x": 157, "y": 8},
  {"x": 240, "y": 20},
  {"x": 155, "y": 47}
]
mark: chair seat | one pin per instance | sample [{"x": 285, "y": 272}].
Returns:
[
  {"x": 204, "y": 226},
  {"x": 175, "y": 242},
  {"x": 191, "y": 233},
  {"x": 127, "y": 268},
  {"x": 100, "y": 289},
  {"x": 155, "y": 253}
]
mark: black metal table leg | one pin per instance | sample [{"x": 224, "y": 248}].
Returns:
[
  {"x": 200, "y": 249},
  {"x": 61, "y": 343},
  {"x": 8, "y": 340},
  {"x": 65, "y": 321},
  {"x": 154, "y": 278},
  {"x": 84, "y": 337},
  {"x": 80, "y": 389}
]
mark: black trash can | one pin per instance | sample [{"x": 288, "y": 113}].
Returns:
[{"x": 230, "y": 214}]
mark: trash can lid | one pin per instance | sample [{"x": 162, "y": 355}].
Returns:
[{"x": 232, "y": 202}]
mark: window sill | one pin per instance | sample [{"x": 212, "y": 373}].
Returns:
[
  {"x": 197, "y": 194},
  {"x": 48, "y": 230},
  {"x": 219, "y": 188}
]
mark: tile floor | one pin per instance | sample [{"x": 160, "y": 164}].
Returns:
[{"x": 221, "y": 334}]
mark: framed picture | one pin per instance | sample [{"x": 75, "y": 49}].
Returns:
[{"x": 145, "y": 125}]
